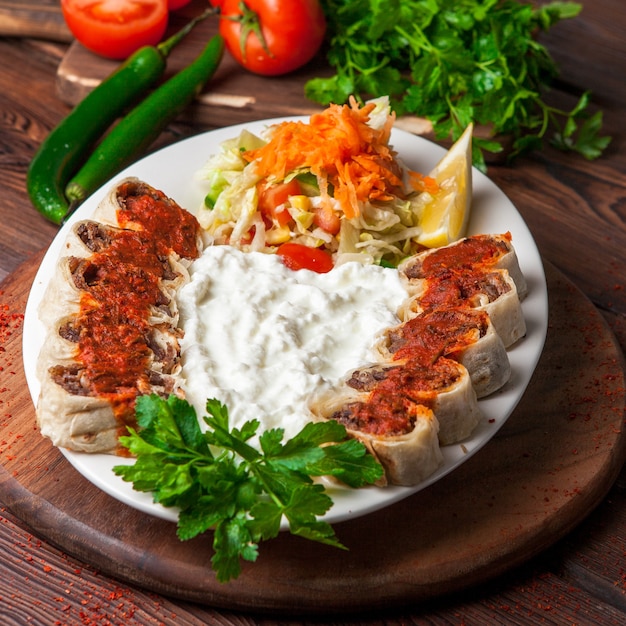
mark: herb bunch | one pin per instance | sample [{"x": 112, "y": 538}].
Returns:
[
  {"x": 455, "y": 62},
  {"x": 220, "y": 481}
]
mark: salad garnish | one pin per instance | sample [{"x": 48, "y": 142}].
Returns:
[{"x": 333, "y": 183}]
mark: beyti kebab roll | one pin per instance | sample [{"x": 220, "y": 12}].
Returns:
[
  {"x": 110, "y": 317},
  {"x": 434, "y": 365},
  {"x": 479, "y": 272}
]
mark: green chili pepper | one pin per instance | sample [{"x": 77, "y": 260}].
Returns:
[
  {"x": 68, "y": 144},
  {"x": 140, "y": 127}
]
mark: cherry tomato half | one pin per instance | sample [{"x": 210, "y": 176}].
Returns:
[
  {"x": 116, "y": 28},
  {"x": 298, "y": 257},
  {"x": 272, "y": 37},
  {"x": 273, "y": 198}
]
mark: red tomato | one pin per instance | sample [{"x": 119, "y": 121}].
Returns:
[
  {"x": 327, "y": 220},
  {"x": 272, "y": 37},
  {"x": 116, "y": 28},
  {"x": 298, "y": 257},
  {"x": 172, "y": 5},
  {"x": 272, "y": 199}
]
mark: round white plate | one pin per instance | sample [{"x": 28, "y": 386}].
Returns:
[{"x": 173, "y": 170}]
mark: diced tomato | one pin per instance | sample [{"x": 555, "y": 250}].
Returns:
[
  {"x": 299, "y": 257},
  {"x": 327, "y": 220},
  {"x": 272, "y": 200}
]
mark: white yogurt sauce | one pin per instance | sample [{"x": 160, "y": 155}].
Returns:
[{"x": 263, "y": 338}]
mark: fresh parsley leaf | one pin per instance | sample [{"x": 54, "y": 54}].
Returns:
[
  {"x": 169, "y": 422},
  {"x": 455, "y": 62},
  {"x": 588, "y": 142},
  {"x": 548, "y": 15},
  {"x": 232, "y": 542},
  {"x": 220, "y": 481}
]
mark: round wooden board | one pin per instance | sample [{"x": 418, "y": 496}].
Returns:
[{"x": 548, "y": 467}]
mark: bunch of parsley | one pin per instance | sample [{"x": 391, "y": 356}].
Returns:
[
  {"x": 219, "y": 481},
  {"x": 455, "y": 62}
]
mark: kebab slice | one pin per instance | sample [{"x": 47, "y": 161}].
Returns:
[
  {"x": 465, "y": 335},
  {"x": 488, "y": 252},
  {"x": 443, "y": 385},
  {"x": 403, "y": 412},
  {"x": 407, "y": 446}
]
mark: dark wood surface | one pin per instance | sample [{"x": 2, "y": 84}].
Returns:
[{"x": 577, "y": 212}]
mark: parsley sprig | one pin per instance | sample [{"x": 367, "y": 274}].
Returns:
[
  {"x": 455, "y": 62},
  {"x": 220, "y": 481}
]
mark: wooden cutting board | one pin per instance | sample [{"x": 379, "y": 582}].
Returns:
[
  {"x": 552, "y": 462},
  {"x": 232, "y": 87},
  {"x": 35, "y": 18}
]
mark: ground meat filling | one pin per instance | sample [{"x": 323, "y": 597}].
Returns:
[
  {"x": 70, "y": 331},
  {"x": 72, "y": 379},
  {"x": 163, "y": 343},
  {"x": 83, "y": 272},
  {"x": 366, "y": 379},
  {"x": 169, "y": 273},
  {"x": 95, "y": 236}
]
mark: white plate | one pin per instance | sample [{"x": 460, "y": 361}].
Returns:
[{"x": 173, "y": 170}]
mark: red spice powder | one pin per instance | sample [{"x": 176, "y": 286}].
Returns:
[{"x": 10, "y": 323}]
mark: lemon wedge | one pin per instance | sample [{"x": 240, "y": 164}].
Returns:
[{"x": 446, "y": 213}]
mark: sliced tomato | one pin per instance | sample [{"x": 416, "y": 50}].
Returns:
[
  {"x": 299, "y": 257},
  {"x": 272, "y": 37},
  {"x": 116, "y": 28},
  {"x": 272, "y": 200}
]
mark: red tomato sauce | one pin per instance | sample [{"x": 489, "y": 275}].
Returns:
[
  {"x": 462, "y": 288},
  {"x": 391, "y": 407},
  {"x": 122, "y": 287},
  {"x": 443, "y": 332},
  {"x": 171, "y": 228},
  {"x": 479, "y": 250}
]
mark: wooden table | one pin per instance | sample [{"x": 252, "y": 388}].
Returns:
[{"x": 577, "y": 212}]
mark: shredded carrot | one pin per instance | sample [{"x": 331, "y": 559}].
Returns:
[{"x": 339, "y": 147}]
